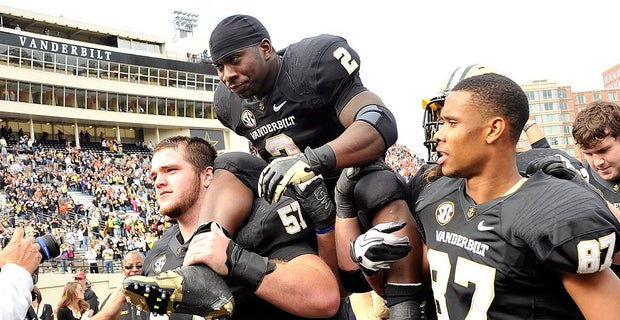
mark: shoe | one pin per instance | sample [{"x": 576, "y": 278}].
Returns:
[{"x": 204, "y": 294}]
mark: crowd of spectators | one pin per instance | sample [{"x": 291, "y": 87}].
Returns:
[
  {"x": 36, "y": 185},
  {"x": 123, "y": 216},
  {"x": 402, "y": 161}
]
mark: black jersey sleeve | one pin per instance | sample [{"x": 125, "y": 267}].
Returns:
[
  {"x": 567, "y": 228},
  {"x": 327, "y": 66},
  {"x": 222, "y": 105}
]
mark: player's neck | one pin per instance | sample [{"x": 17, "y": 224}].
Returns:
[{"x": 484, "y": 188}]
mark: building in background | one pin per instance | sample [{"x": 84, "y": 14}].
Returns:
[
  {"x": 555, "y": 107},
  {"x": 66, "y": 82}
]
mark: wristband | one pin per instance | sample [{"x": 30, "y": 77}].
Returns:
[
  {"x": 246, "y": 267},
  {"x": 325, "y": 230},
  {"x": 321, "y": 160},
  {"x": 528, "y": 124}
]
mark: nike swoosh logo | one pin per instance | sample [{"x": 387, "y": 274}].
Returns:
[
  {"x": 483, "y": 227},
  {"x": 278, "y": 107}
]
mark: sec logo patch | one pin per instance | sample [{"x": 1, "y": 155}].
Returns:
[{"x": 444, "y": 212}]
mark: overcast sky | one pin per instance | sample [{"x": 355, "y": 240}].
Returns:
[{"x": 406, "y": 47}]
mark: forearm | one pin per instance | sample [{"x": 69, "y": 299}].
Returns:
[
  {"x": 304, "y": 286},
  {"x": 112, "y": 309},
  {"x": 327, "y": 252},
  {"x": 359, "y": 144},
  {"x": 16, "y": 291},
  {"x": 347, "y": 230}
]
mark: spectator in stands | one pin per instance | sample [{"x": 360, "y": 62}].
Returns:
[
  {"x": 108, "y": 259},
  {"x": 91, "y": 258},
  {"x": 64, "y": 256},
  {"x": 82, "y": 233}
]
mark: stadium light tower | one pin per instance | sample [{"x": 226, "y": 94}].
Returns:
[{"x": 185, "y": 22}]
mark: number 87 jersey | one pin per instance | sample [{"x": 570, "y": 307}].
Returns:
[{"x": 500, "y": 259}]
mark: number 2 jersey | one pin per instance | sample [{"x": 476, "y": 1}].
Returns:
[
  {"x": 499, "y": 259},
  {"x": 317, "y": 77}
]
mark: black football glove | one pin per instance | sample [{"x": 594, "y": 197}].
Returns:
[
  {"x": 378, "y": 248},
  {"x": 559, "y": 167},
  {"x": 555, "y": 165},
  {"x": 294, "y": 170},
  {"x": 314, "y": 199}
]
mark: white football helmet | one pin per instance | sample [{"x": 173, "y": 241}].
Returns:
[{"x": 432, "y": 107}]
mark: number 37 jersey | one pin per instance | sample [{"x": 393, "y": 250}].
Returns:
[{"x": 500, "y": 259}]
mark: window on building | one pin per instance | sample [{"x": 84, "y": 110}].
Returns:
[
  {"x": 596, "y": 96},
  {"x": 581, "y": 98},
  {"x": 547, "y": 94},
  {"x": 550, "y": 118},
  {"x": 562, "y": 94},
  {"x": 530, "y": 95},
  {"x": 549, "y": 106},
  {"x": 613, "y": 96}
]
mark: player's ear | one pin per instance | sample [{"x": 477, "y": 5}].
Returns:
[
  {"x": 266, "y": 49},
  {"x": 496, "y": 127},
  {"x": 206, "y": 176}
]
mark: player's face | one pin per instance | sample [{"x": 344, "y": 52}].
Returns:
[
  {"x": 243, "y": 72},
  {"x": 176, "y": 182},
  {"x": 604, "y": 158},
  {"x": 460, "y": 140}
]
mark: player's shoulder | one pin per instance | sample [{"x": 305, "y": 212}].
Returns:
[
  {"x": 546, "y": 203},
  {"x": 316, "y": 56},
  {"x": 316, "y": 44}
]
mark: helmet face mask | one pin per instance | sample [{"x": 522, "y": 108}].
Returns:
[{"x": 431, "y": 124}]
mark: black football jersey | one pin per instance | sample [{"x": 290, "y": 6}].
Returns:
[
  {"x": 498, "y": 259},
  {"x": 317, "y": 77},
  {"x": 277, "y": 231}
]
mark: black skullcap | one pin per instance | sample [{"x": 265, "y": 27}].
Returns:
[{"x": 235, "y": 33}]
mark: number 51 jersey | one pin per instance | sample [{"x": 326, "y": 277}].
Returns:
[{"x": 499, "y": 259}]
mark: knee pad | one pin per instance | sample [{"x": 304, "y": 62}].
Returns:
[{"x": 376, "y": 189}]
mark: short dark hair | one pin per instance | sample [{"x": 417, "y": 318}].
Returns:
[
  {"x": 498, "y": 95},
  {"x": 597, "y": 121},
  {"x": 197, "y": 151}
]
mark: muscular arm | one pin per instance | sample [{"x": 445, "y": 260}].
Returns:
[
  {"x": 327, "y": 252},
  {"x": 594, "y": 294},
  {"x": 304, "y": 285},
  {"x": 360, "y": 143},
  {"x": 305, "y": 278}
]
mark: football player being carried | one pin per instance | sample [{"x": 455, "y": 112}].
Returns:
[{"x": 307, "y": 112}]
